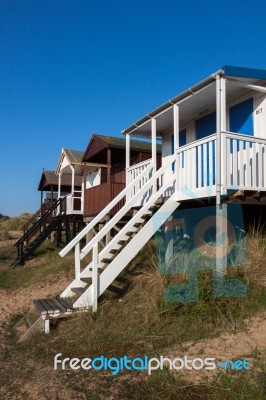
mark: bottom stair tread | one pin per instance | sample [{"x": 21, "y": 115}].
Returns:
[{"x": 55, "y": 305}]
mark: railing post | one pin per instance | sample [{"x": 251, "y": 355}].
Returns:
[
  {"x": 59, "y": 190},
  {"x": 221, "y": 218},
  {"x": 77, "y": 260},
  {"x": 82, "y": 200},
  {"x": 218, "y": 143},
  {"x": 94, "y": 277},
  {"x": 176, "y": 140},
  {"x": 223, "y": 129},
  {"x": 153, "y": 149},
  {"x": 104, "y": 212},
  {"x": 225, "y": 159},
  {"x": 128, "y": 173}
]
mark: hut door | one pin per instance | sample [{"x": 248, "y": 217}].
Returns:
[
  {"x": 205, "y": 126},
  {"x": 240, "y": 116}
]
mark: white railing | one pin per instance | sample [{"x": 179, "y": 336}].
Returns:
[
  {"x": 196, "y": 166},
  {"x": 74, "y": 203},
  {"x": 156, "y": 181},
  {"x": 133, "y": 172},
  {"x": 106, "y": 211},
  {"x": 243, "y": 166},
  {"x": 245, "y": 162}
]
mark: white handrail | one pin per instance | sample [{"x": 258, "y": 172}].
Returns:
[
  {"x": 245, "y": 165},
  {"x": 117, "y": 217},
  {"x": 141, "y": 164},
  {"x": 246, "y": 138},
  {"x": 103, "y": 213},
  {"x": 134, "y": 219},
  {"x": 196, "y": 143}
]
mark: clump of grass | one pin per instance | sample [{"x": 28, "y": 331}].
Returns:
[
  {"x": 195, "y": 318},
  {"x": 140, "y": 322},
  {"x": 256, "y": 243},
  {"x": 15, "y": 223},
  {"x": 165, "y": 385},
  {"x": 46, "y": 262},
  {"x": 10, "y": 228},
  {"x": 4, "y": 235}
]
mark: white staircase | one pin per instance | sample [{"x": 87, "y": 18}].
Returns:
[{"x": 108, "y": 262}]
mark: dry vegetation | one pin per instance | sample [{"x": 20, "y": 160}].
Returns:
[
  {"x": 10, "y": 228},
  {"x": 137, "y": 323}
]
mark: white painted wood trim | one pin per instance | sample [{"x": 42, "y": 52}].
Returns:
[
  {"x": 126, "y": 255},
  {"x": 103, "y": 213},
  {"x": 77, "y": 260},
  {"x": 95, "y": 277}
]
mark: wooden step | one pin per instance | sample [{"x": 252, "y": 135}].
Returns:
[
  {"x": 108, "y": 258},
  {"x": 100, "y": 268},
  {"x": 124, "y": 240},
  {"x": 61, "y": 304},
  {"x": 147, "y": 215},
  {"x": 122, "y": 222},
  {"x": 131, "y": 231},
  {"x": 160, "y": 201},
  {"x": 116, "y": 248},
  {"x": 67, "y": 303},
  {"x": 78, "y": 290},
  {"x": 87, "y": 280},
  {"x": 140, "y": 222},
  {"x": 52, "y": 306},
  {"x": 121, "y": 280},
  {"x": 114, "y": 289},
  {"x": 154, "y": 207}
]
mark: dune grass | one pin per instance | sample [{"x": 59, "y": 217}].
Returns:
[
  {"x": 139, "y": 322},
  {"x": 10, "y": 225},
  {"x": 45, "y": 262}
]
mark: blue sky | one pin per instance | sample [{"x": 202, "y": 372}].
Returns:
[{"x": 72, "y": 67}]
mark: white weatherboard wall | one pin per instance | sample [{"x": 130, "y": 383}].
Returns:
[
  {"x": 190, "y": 131},
  {"x": 259, "y": 115},
  {"x": 65, "y": 164},
  {"x": 167, "y": 152}
]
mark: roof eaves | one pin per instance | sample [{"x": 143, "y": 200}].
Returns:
[
  {"x": 97, "y": 137},
  {"x": 242, "y": 72},
  {"x": 174, "y": 100}
]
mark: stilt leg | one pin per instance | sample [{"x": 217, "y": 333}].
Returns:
[{"x": 46, "y": 326}]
